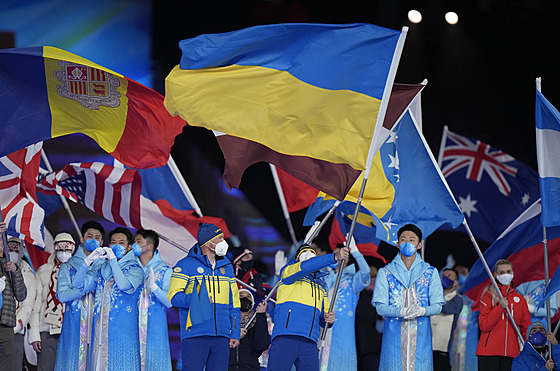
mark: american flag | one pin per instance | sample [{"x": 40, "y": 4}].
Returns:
[
  {"x": 113, "y": 193},
  {"x": 20, "y": 211},
  {"x": 116, "y": 194}
]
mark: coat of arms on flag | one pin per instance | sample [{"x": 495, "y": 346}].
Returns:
[{"x": 90, "y": 86}]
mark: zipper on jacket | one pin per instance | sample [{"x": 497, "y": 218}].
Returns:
[
  {"x": 214, "y": 300},
  {"x": 488, "y": 337},
  {"x": 314, "y": 306},
  {"x": 288, "y": 319}
]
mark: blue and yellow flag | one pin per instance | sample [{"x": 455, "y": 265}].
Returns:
[{"x": 307, "y": 90}]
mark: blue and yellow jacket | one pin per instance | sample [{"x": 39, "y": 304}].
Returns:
[
  {"x": 212, "y": 309},
  {"x": 302, "y": 299}
]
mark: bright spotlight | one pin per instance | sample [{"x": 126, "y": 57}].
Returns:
[
  {"x": 414, "y": 16},
  {"x": 451, "y": 17}
]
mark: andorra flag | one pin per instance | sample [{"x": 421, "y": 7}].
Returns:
[{"x": 46, "y": 92}]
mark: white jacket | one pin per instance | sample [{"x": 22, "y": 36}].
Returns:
[
  {"x": 23, "y": 312},
  {"x": 38, "y": 321}
]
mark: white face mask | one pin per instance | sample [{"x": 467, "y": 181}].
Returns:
[
  {"x": 63, "y": 256},
  {"x": 221, "y": 248},
  {"x": 14, "y": 257},
  {"x": 505, "y": 279},
  {"x": 306, "y": 255}
]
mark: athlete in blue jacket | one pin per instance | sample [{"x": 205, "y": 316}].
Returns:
[
  {"x": 203, "y": 286},
  {"x": 301, "y": 308}
]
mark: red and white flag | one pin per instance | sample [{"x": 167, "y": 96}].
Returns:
[
  {"x": 115, "y": 194},
  {"x": 18, "y": 201}
]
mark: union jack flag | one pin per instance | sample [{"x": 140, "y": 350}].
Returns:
[
  {"x": 18, "y": 200},
  {"x": 113, "y": 193},
  {"x": 491, "y": 186},
  {"x": 478, "y": 158}
]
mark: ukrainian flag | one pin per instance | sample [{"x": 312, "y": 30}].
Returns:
[
  {"x": 47, "y": 92},
  {"x": 309, "y": 90}
]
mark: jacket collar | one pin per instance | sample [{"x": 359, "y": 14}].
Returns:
[
  {"x": 196, "y": 252},
  {"x": 404, "y": 276}
]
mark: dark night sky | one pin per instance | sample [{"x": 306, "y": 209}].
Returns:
[{"x": 481, "y": 72}]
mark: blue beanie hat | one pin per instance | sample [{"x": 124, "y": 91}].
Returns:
[
  {"x": 303, "y": 248},
  {"x": 206, "y": 232}
]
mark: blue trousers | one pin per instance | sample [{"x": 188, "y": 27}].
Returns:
[
  {"x": 201, "y": 351},
  {"x": 288, "y": 350}
]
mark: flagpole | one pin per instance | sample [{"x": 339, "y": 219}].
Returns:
[
  {"x": 283, "y": 203},
  {"x": 183, "y": 184},
  {"x": 489, "y": 272},
  {"x": 546, "y": 273},
  {"x": 376, "y": 142},
  {"x": 5, "y": 241},
  {"x": 62, "y": 198},
  {"x": 546, "y": 281},
  {"x": 251, "y": 288},
  {"x": 266, "y": 299},
  {"x": 317, "y": 229}
]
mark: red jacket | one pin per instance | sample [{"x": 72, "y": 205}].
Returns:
[{"x": 498, "y": 337}]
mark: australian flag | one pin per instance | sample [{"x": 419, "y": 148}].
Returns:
[{"x": 491, "y": 187}]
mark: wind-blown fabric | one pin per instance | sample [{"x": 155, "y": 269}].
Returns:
[
  {"x": 50, "y": 92},
  {"x": 407, "y": 344},
  {"x": 154, "y": 339},
  {"x": 547, "y": 119},
  {"x": 117, "y": 195},
  {"x": 521, "y": 244},
  {"x": 18, "y": 200},
  {"x": 491, "y": 186},
  {"x": 274, "y": 86},
  {"x": 405, "y": 186}
]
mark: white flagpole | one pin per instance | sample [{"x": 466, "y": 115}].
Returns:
[
  {"x": 183, "y": 184},
  {"x": 546, "y": 273},
  {"x": 378, "y": 138},
  {"x": 489, "y": 272},
  {"x": 280, "y": 192},
  {"x": 62, "y": 198}
]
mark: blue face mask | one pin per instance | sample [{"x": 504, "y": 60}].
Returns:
[
  {"x": 446, "y": 282},
  {"x": 462, "y": 279},
  {"x": 91, "y": 244},
  {"x": 137, "y": 249},
  {"x": 407, "y": 249},
  {"x": 538, "y": 339},
  {"x": 118, "y": 250}
]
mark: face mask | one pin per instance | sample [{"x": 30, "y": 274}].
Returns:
[
  {"x": 137, "y": 249},
  {"x": 246, "y": 265},
  {"x": 63, "y": 256},
  {"x": 306, "y": 255},
  {"x": 91, "y": 244},
  {"x": 246, "y": 304},
  {"x": 446, "y": 282},
  {"x": 505, "y": 279},
  {"x": 462, "y": 279},
  {"x": 14, "y": 257},
  {"x": 118, "y": 250},
  {"x": 221, "y": 248},
  {"x": 407, "y": 249},
  {"x": 538, "y": 339}
]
